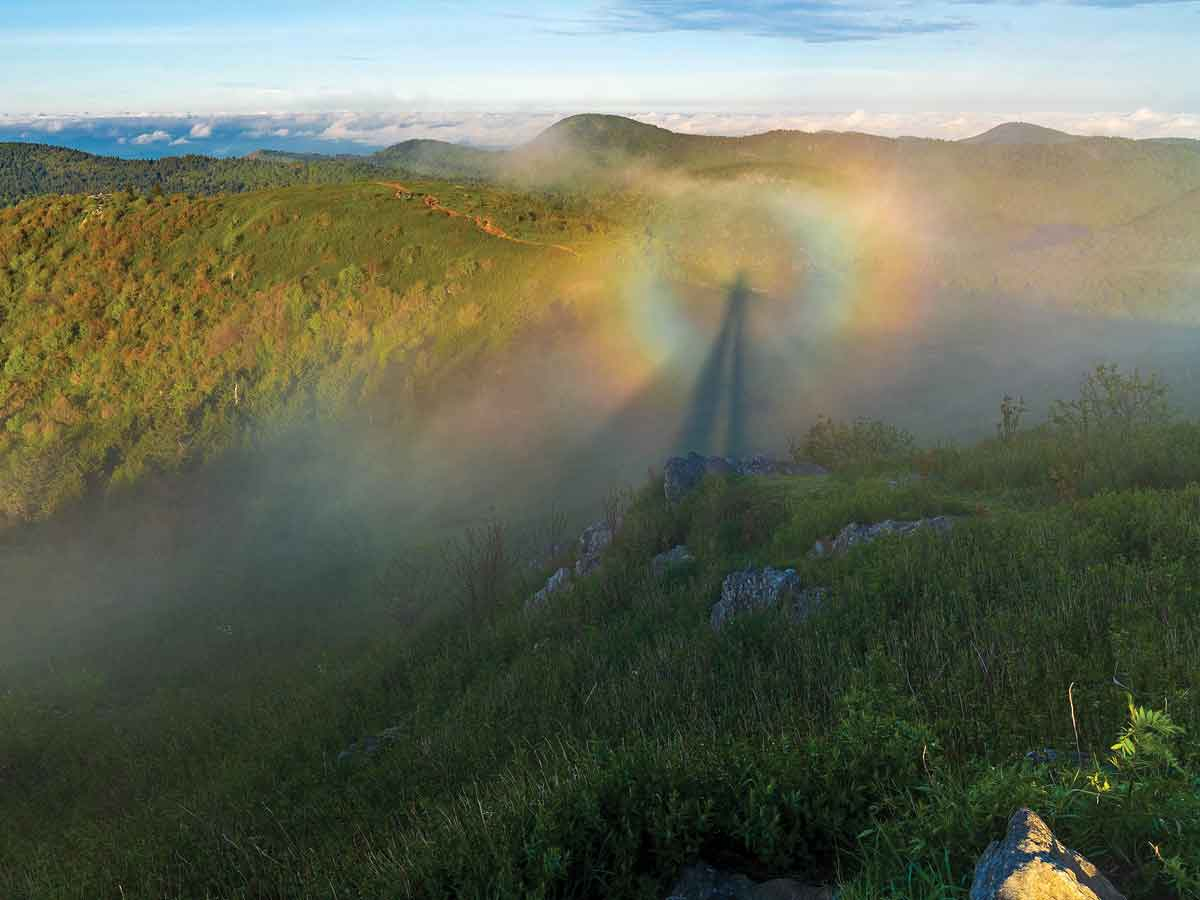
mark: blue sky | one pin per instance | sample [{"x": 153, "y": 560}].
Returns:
[{"x": 361, "y": 73}]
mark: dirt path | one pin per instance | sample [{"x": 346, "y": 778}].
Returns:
[{"x": 484, "y": 225}]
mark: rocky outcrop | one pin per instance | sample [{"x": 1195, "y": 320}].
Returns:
[
  {"x": 753, "y": 589},
  {"x": 683, "y": 474},
  {"x": 592, "y": 544},
  {"x": 703, "y": 882},
  {"x": 675, "y": 558},
  {"x": 758, "y": 589},
  {"x": 560, "y": 580},
  {"x": 854, "y": 534},
  {"x": 1032, "y": 864}
]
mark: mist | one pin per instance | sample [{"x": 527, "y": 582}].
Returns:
[{"x": 743, "y": 312}]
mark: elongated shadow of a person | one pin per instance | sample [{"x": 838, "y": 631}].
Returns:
[
  {"x": 721, "y": 385},
  {"x": 652, "y": 424}
]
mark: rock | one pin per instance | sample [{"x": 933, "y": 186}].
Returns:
[
  {"x": 683, "y": 474},
  {"x": 592, "y": 544},
  {"x": 753, "y": 589},
  {"x": 1032, "y": 864},
  {"x": 854, "y": 534},
  {"x": 555, "y": 583},
  {"x": 703, "y": 882},
  {"x": 673, "y": 559}
]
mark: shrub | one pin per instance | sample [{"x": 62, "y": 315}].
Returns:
[
  {"x": 862, "y": 442},
  {"x": 1109, "y": 399}
]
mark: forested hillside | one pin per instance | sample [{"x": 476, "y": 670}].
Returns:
[
  {"x": 146, "y": 333},
  {"x": 28, "y": 170}
]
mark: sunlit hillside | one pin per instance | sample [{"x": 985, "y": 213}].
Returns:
[{"x": 151, "y": 332}]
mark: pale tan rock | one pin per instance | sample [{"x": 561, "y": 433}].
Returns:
[{"x": 1032, "y": 864}]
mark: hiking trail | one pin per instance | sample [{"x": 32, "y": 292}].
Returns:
[{"x": 485, "y": 225}]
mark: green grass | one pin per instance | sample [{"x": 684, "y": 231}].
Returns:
[{"x": 591, "y": 750}]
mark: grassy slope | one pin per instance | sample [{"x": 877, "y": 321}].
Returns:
[
  {"x": 588, "y": 751},
  {"x": 127, "y": 325}
]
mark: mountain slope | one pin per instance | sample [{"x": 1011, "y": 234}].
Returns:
[{"x": 140, "y": 335}]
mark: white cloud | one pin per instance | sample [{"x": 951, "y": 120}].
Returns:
[
  {"x": 50, "y": 126},
  {"x": 179, "y": 142},
  {"x": 201, "y": 130},
  {"x": 484, "y": 129},
  {"x": 152, "y": 137}
]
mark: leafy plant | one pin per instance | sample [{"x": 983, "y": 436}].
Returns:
[{"x": 1144, "y": 744}]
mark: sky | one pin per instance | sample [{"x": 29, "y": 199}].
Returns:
[{"x": 223, "y": 77}]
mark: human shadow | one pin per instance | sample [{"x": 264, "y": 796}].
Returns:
[{"x": 721, "y": 384}]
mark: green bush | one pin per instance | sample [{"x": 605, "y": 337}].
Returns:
[{"x": 863, "y": 442}]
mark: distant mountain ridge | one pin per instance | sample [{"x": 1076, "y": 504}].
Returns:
[
  {"x": 606, "y": 147},
  {"x": 1022, "y": 133}
]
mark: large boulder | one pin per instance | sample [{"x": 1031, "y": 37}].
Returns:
[
  {"x": 703, "y": 882},
  {"x": 683, "y": 474},
  {"x": 855, "y": 534},
  {"x": 753, "y": 589},
  {"x": 1032, "y": 864}
]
